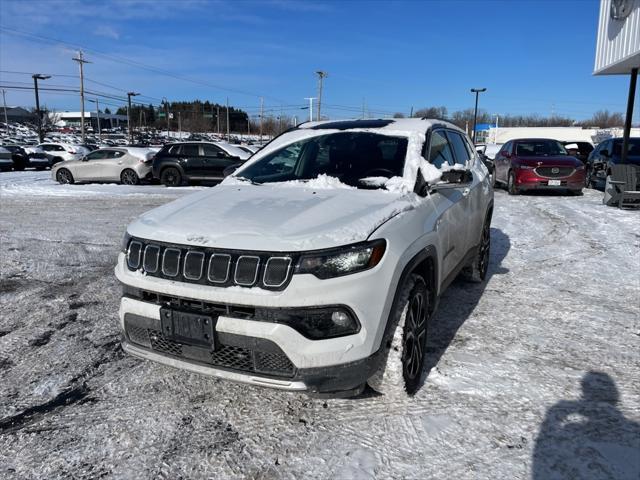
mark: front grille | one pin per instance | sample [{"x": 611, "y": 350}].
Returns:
[
  {"x": 206, "y": 266},
  {"x": 271, "y": 360},
  {"x": 554, "y": 172}
]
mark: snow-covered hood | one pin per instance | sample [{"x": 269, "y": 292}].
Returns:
[{"x": 272, "y": 217}]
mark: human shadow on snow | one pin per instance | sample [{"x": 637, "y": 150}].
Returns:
[
  {"x": 589, "y": 437},
  {"x": 459, "y": 301}
]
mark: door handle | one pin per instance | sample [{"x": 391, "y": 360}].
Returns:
[{"x": 119, "y": 163}]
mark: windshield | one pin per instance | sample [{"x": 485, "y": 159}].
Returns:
[
  {"x": 348, "y": 156},
  {"x": 539, "y": 148}
]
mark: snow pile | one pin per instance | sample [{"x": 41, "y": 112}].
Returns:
[
  {"x": 140, "y": 153},
  {"x": 321, "y": 182}
]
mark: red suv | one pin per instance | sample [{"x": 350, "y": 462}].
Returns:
[{"x": 538, "y": 163}]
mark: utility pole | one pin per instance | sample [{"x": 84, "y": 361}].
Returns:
[
  {"x": 311, "y": 99},
  {"x": 6, "y": 119},
  {"x": 411, "y": 113},
  {"x": 129, "y": 95},
  {"x": 477, "y": 91},
  {"x": 218, "y": 119},
  {"x": 37, "y": 77},
  {"x": 261, "y": 115},
  {"x": 81, "y": 61},
  {"x": 495, "y": 140},
  {"x": 180, "y": 125},
  {"x": 228, "y": 137},
  {"x": 166, "y": 113},
  {"x": 248, "y": 125},
  {"x": 98, "y": 118},
  {"x": 321, "y": 76},
  {"x": 627, "y": 121}
]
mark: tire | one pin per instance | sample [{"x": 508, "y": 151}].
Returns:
[
  {"x": 64, "y": 176},
  {"x": 588, "y": 180},
  {"x": 477, "y": 271},
  {"x": 511, "y": 184},
  {"x": 171, "y": 177},
  {"x": 404, "y": 347},
  {"x": 129, "y": 177}
]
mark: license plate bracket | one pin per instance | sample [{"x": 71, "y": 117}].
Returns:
[{"x": 189, "y": 328}]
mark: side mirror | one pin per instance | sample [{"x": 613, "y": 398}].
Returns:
[
  {"x": 605, "y": 153},
  {"x": 457, "y": 176},
  {"x": 506, "y": 154}
]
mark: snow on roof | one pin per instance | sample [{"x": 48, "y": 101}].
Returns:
[{"x": 397, "y": 124}]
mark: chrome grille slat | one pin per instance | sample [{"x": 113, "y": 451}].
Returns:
[
  {"x": 212, "y": 275},
  {"x": 151, "y": 258},
  {"x": 247, "y": 260},
  {"x": 193, "y": 260},
  {"x": 210, "y": 266}
]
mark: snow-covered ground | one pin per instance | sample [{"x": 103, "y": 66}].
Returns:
[{"x": 534, "y": 374}]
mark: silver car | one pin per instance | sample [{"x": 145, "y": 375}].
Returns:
[{"x": 127, "y": 165}]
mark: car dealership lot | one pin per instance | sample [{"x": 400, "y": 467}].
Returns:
[{"x": 562, "y": 300}]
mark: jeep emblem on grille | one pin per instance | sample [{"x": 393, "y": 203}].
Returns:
[{"x": 555, "y": 170}]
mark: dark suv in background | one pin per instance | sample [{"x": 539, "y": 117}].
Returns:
[
  {"x": 607, "y": 154},
  {"x": 186, "y": 162}
]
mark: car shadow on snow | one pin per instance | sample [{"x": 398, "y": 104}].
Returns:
[
  {"x": 459, "y": 301},
  {"x": 588, "y": 437}
]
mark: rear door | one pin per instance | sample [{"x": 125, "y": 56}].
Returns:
[
  {"x": 216, "y": 160},
  {"x": 111, "y": 164},
  {"x": 192, "y": 160}
]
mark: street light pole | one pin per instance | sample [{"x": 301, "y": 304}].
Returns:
[
  {"x": 98, "y": 118},
  {"x": 477, "y": 91},
  {"x": 37, "y": 77},
  {"x": 129, "y": 95}
]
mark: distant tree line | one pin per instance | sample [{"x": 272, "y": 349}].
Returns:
[
  {"x": 192, "y": 116},
  {"x": 464, "y": 118}
]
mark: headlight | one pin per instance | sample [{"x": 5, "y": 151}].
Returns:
[
  {"x": 125, "y": 242},
  {"x": 343, "y": 261}
]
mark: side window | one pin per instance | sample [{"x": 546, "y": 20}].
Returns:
[
  {"x": 459, "y": 149},
  {"x": 440, "y": 150},
  {"x": 190, "y": 150},
  {"x": 113, "y": 154},
  {"x": 210, "y": 150},
  {"x": 174, "y": 150},
  {"x": 506, "y": 148},
  {"x": 46, "y": 148},
  {"x": 97, "y": 155}
]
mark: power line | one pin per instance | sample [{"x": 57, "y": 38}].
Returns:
[{"x": 133, "y": 63}]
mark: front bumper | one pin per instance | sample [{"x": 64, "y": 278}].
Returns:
[
  {"x": 529, "y": 180},
  {"x": 240, "y": 358}
]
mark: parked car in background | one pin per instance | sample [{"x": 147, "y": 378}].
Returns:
[
  {"x": 127, "y": 165},
  {"x": 60, "y": 152},
  {"x": 6, "y": 162},
  {"x": 186, "y": 162},
  {"x": 487, "y": 153},
  {"x": 25, "y": 157},
  {"x": 317, "y": 266},
  {"x": 607, "y": 154},
  {"x": 580, "y": 150},
  {"x": 538, "y": 163}
]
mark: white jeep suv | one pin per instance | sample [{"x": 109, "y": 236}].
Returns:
[{"x": 316, "y": 265}]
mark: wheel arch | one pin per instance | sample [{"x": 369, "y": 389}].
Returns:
[{"x": 175, "y": 165}]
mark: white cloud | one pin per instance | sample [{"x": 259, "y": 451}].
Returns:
[{"x": 107, "y": 31}]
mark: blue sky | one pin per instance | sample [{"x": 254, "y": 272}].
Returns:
[{"x": 532, "y": 56}]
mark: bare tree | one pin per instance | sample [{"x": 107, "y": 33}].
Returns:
[
  {"x": 604, "y": 119},
  {"x": 398, "y": 115}
]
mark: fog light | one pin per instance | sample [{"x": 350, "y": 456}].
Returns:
[{"x": 341, "y": 319}]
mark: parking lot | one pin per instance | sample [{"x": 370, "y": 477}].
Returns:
[{"x": 538, "y": 366}]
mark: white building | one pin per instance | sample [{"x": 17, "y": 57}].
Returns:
[
  {"x": 618, "y": 49},
  {"x": 563, "y": 134},
  {"x": 107, "y": 120}
]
